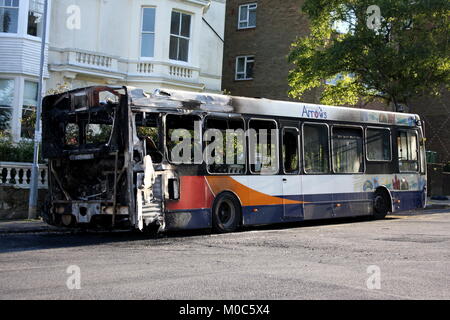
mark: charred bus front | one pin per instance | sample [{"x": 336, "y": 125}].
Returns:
[{"x": 105, "y": 160}]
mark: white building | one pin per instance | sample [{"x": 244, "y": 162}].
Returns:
[{"x": 144, "y": 43}]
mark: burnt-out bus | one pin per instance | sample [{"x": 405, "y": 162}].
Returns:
[{"x": 123, "y": 158}]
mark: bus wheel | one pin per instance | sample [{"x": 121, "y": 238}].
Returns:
[
  {"x": 226, "y": 213},
  {"x": 380, "y": 204}
]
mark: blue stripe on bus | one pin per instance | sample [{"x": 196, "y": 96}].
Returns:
[
  {"x": 329, "y": 196},
  {"x": 322, "y": 204}
]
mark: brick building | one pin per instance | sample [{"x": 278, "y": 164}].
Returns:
[
  {"x": 257, "y": 44},
  {"x": 436, "y": 114},
  {"x": 258, "y": 36}
]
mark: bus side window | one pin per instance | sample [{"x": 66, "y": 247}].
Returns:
[
  {"x": 290, "y": 150},
  {"x": 378, "y": 145},
  {"x": 316, "y": 148},
  {"x": 184, "y": 139},
  {"x": 263, "y": 147},
  {"x": 408, "y": 151},
  {"x": 147, "y": 131},
  {"x": 348, "y": 150},
  {"x": 225, "y": 145}
]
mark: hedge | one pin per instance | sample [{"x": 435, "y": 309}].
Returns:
[{"x": 17, "y": 152}]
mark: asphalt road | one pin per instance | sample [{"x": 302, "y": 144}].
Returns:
[{"x": 321, "y": 260}]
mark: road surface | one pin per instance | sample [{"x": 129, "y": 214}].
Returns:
[{"x": 402, "y": 257}]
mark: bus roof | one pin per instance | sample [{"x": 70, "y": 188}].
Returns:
[
  {"x": 168, "y": 100},
  {"x": 174, "y": 99}
]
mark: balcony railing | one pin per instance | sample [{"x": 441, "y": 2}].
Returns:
[
  {"x": 120, "y": 69},
  {"x": 180, "y": 72},
  {"x": 145, "y": 68},
  {"x": 94, "y": 60},
  {"x": 91, "y": 60},
  {"x": 18, "y": 175},
  {"x": 164, "y": 70}
]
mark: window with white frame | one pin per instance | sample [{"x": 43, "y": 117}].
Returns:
[
  {"x": 30, "y": 96},
  {"x": 35, "y": 18},
  {"x": 247, "y": 16},
  {"x": 244, "y": 67},
  {"x": 9, "y": 16},
  {"x": 148, "y": 33},
  {"x": 6, "y": 105},
  {"x": 180, "y": 33}
]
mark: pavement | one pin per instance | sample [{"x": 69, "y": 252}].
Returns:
[
  {"x": 403, "y": 257},
  {"x": 438, "y": 204},
  {"x": 26, "y": 226}
]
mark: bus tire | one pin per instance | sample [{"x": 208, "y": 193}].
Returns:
[
  {"x": 381, "y": 204},
  {"x": 226, "y": 213}
]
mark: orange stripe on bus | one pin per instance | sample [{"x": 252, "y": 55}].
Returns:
[{"x": 248, "y": 196}]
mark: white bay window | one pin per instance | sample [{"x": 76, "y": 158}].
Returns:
[
  {"x": 180, "y": 33},
  {"x": 148, "y": 33},
  {"x": 6, "y": 105},
  {"x": 35, "y": 18},
  {"x": 9, "y": 16},
  {"x": 30, "y": 95}
]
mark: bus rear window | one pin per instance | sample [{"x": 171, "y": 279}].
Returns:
[
  {"x": 98, "y": 133},
  {"x": 72, "y": 135}
]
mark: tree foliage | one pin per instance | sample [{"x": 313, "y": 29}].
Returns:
[{"x": 401, "y": 56}]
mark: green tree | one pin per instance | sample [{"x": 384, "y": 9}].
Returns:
[{"x": 400, "y": 56}]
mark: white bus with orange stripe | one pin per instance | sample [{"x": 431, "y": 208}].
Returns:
[{"x": 112, "y": 155}]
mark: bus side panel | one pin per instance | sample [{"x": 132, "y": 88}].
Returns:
[
  {"x": 318, "y": 196},
  {"x": 407, "y": 200},
  {"x": 193, "y": 209},
  {"x": 260, "y": 197},
  {"x": 325, "y": 197}
]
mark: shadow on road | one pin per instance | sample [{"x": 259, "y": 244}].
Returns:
[{"x": 16, "y": 242}]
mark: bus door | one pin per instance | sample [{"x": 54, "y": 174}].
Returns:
[
  {"x": 291, "y": 180},
  {"x": 316, "y": 188},
  {"x": 348, "y": 162}
]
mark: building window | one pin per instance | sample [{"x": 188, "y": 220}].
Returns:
[
  {"x": 315, "y": 148},
  {"x": 6, "y": 106},
  {"x": 9, "y": 15},
  {"x": 35, "y": 18},
  {"x": 378, "y": 144},
  {"x": 180, "y": 32},
  {"x": 348, "y": 150},
  {"x": 247, "y": 16},
  {"x": 29, "y": 109},
  {"x": 244, "y": 67},
  {"x": 148, "y": 33}
]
